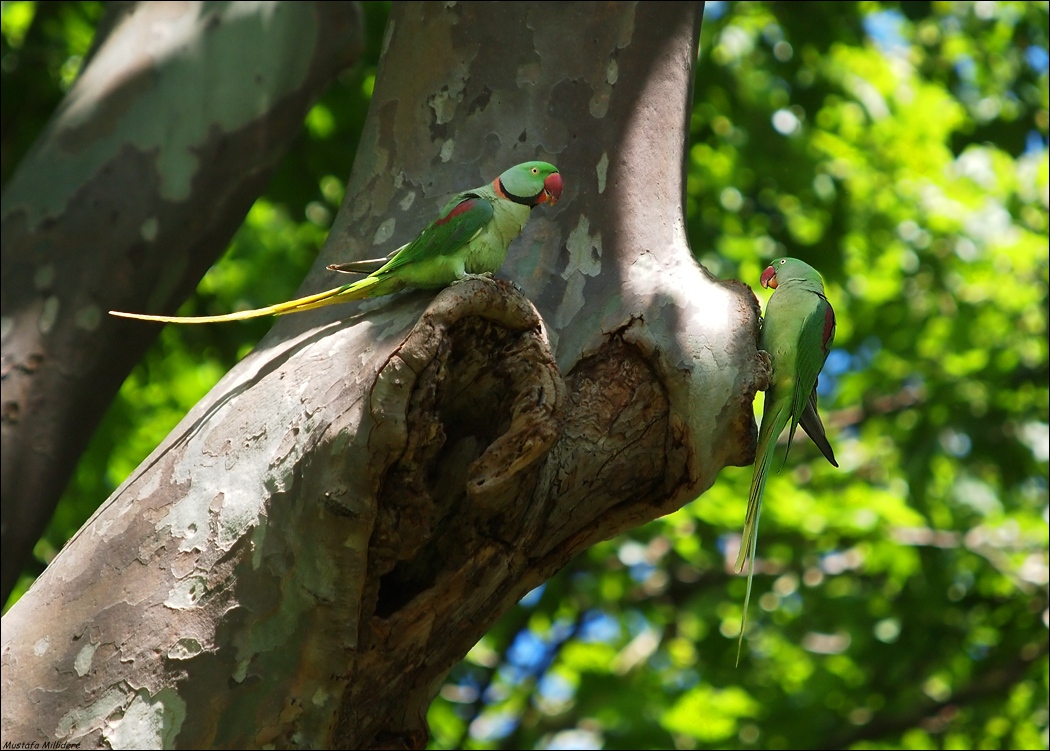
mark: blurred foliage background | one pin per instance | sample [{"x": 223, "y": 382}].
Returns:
[{"x": 901, "y": 601}]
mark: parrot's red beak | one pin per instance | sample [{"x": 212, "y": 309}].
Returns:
[
  {"x": 769, "y": 278},
  {"x": 551, "y": 189}
]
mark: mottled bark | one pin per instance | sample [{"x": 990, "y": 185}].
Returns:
[
  {"x": 143, "y": 175},
  {"x": 355, "y": 504}
]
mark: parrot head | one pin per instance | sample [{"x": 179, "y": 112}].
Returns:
[
  {"x": 784, "y": 269},
  {"x": 530, "y": 183}
]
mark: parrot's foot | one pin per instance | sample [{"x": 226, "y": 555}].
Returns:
[{"x": 485, "y": 275}]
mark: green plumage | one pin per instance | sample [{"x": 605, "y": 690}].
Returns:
[
  {"x": 797, "y": 332},
  {"x": 470, "y": 236}
]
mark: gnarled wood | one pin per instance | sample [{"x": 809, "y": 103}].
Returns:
[{"x": 354, "y": 505}]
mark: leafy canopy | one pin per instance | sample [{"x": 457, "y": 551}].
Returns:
[{"x": 902, "y": 150}]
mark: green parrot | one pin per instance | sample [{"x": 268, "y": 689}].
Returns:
[
  {"x": 797, "y": 332},
  {"x": 470, "y": 237}
]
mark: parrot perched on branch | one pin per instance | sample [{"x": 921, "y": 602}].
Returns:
[
  {"x": 797, "y": 332},
  {"x": 470, "y": 237}
]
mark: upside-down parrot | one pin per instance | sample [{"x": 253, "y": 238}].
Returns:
[
  {"x": 470, "y": 237},
  {"x": 797, "y": 332}
]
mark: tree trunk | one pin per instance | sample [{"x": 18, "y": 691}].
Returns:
[
  {"x": 338, "y": 522},
  {"x": 144, "y": 173}
]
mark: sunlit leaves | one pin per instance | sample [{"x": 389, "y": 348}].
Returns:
[
  {"x": 710, "y": 715},
  {"x": 881, "y": 145},
  {"x": 15, "y": 18}
]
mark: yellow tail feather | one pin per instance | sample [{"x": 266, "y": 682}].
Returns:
[{"x": 346, "y": 293}]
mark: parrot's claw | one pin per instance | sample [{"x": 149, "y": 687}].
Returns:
[{"x": 485, "y": 276}]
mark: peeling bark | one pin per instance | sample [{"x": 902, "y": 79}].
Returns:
[
  {"x": 354, "y": 505},
  {"x": 142, "y": 177}
]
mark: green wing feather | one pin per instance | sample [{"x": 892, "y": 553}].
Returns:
[
  {"x": 460, "y": 220},
  {"x": 812, "y": 350}
]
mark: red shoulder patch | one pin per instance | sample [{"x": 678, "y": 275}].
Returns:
[
  {"x": 460, "y": 208},
  {"x": 829, "y": 325}
]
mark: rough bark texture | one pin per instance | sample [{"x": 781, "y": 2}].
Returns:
[
  {"x": 144, "y": 174},
  {"x": 352, "y": 507}
]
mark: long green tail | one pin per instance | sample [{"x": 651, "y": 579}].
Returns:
[
  {"x": 368, "y": 287},
  {"x": 749, "y": 539}
]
